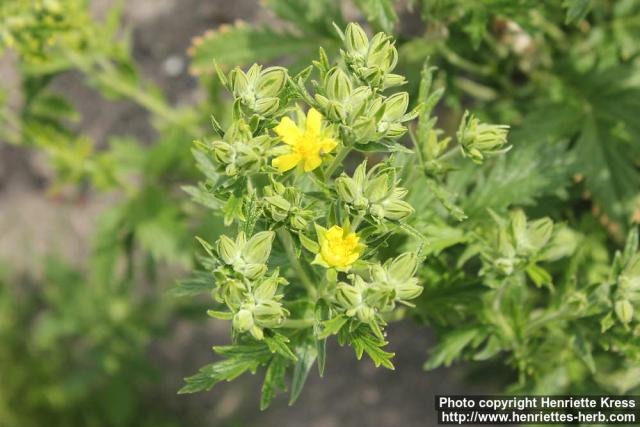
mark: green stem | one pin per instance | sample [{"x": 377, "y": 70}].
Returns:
[
  {"x": 104, "y": 72},
  {"x": 356, "y": 221},
  {"x": 342, "y": 154},
  {"x": 298, "y": 323},
  {"x": 287, "y": 243}
]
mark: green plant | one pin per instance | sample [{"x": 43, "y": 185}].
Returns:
[
  {"x": 345, "y": 204},
  {"x": 353, "y": 253}
]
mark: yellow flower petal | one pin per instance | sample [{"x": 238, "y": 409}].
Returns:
[
  {"x": 314, "y": 122},
  {"x": 328, "y": 144},
  {"x": 288, "y": 130},
  {"x": 338, "y": 248},
  {"x": 286, "y": 161},
  {"x": 311, "y": 163}
]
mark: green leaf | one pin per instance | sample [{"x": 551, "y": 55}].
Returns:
[
  {"x": 233, "y": 209},
  {"x": 609, "y": 172},
  {"x": 200, "y": 283},
  {"x": 576, "y": 10},
  {"x": 273, "y": 381},
  {"x": 332, "y": 326},
  {"x": 238, "y": 360},
  {"x": 307, "y": 354},
  {"x": 529, "y": 171},
  {"x": 278, "y": 344},
  {"x": 203, "y": 196},
  {"x": 450, "y": 348},
  {"x": 224, "y": 315},
  {"x": 308, "y": 244},
  {"x": 538, "y": 275},
  {"x": 582, "y": 347},
  {"x": 380, "y": 13},
  {"x": 240, "y": 45},
  {"x": 363, "y": 342}
]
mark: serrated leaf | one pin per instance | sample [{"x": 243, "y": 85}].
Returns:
[
  {"x": 306, "y": 354},
  {"x": 576, "y": 10},
  {"x": 363, "y": 342},
  {"x": 278, "y": 344},
  {"x": 200, "y": 283},
  {"x": 204, "y": 197},
  {"x": 450, "y": 348},
  {"x": 225, "y": 370},
  {"x": 240, "y": 45},
  {"x": 332, "y": 326},
  {"x": 582, "y": 347},
  {"x": 273, "y": 381},
  {"x": 381, "y": 13}
]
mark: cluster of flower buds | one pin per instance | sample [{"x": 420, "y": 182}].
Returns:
[
  {"x": 383, "y": 286},
  {"x": 339, "y": 100},
  {"x": 239, "y": 152},
  {"x": 375, "y": 192},
  {"x": 372, "y": 61},
  {"x": 518, "y": 242},
  {"x": 243, "y": 285},
  {"x": 478, "y": 140},
  {"x": 284, "y": 204},
  {"x": 626, "y": 271},
  {"x": 369, "y": 115},
  {"x": 258, "y": 90}
]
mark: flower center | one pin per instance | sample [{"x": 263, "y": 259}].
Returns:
[{"x": 307, "y": 146}]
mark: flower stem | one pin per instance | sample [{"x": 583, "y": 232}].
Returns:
[
  {"x": 342, "y": 154},
  {"x": 287, "y": 243}
]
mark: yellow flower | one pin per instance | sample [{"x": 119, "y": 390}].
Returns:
[
  {"x": 306, "y": 146},
  {"x": 339, "y": 249}
]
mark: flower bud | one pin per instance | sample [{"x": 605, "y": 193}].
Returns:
[
  {"x": 366, "y": 314},
  {"x": 478, "y": 140},
  {"x": 408, "y": 290},
  {"x": 356, "y": 39},
  {"x": 250, "y": 271},
  {"x": 624, "y": 311},
  {"x": 539, "y": 232},
  {"x": 239, "y": 82},
  {"x": 266, "y": 106},
  {"x": 347, "y": 189},
  {"x": 393, "y": 80},
  {"x": 505, "y": 265},
  {"x": 382, "y": 54},
  {"x": 271, "y": 82},
  {"x": 403, "y": 267},
  {"x": 227, "y": 250},
  {"x": 396, "y": 106},
  {"x": 364, "y": 129},
  {"x": 396, "y": 210},
  {"x": 269, "y": 314},
  {"x": 258, "y": 248},
  {"x": 265, "y": 290},
  {"x": 223, "y": 152},
  {"x": 349, "y": 297},
  {"x": 298, "y": 222},
  {"x": 243, "y": 320},
  {"x": 377, "y": 189},
  {"x": 231, "y": 292},
  {"x": 278, "y": 207},
  {"x": 337, "y": 84}
]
